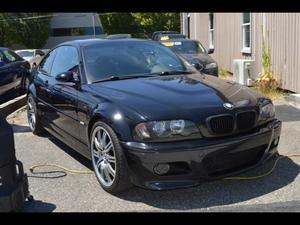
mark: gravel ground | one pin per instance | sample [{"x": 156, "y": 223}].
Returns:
[{"x": 81, "y": 193}]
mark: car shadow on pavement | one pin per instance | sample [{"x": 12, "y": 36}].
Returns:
[
  {"x": 38, "y": 206},
  {"x": 220, "y": 192},
  {"x": 20, "y": 128},
  {"x": 77, "y": 156},
  {"x": 287, "y": 113}
]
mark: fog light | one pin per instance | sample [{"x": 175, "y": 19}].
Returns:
[{"x": 161, "y": 168}]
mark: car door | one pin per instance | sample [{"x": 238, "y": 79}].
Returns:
[
  {"x": 13, "y": 71},
  {"x": 64, "y": 94},
  {"x": 41, "y": 78},
  {"x": 4, "y": 74}
]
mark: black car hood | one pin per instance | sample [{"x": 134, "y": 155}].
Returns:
[
  {"x": 202, "y": 58},
  {"x": 176, "y": 96}
]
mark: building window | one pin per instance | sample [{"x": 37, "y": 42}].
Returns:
[
  {"x": 246, "y": 33},
  {"x": 211, "y": 30},
  {"x": 76, "y": 31}
]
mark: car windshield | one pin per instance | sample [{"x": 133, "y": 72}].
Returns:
[
  {"x": 131, "y": 58},
  {"x": 25, "y": 53},
  {"x": 185, "y": 47}
]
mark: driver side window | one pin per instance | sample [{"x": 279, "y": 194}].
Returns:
[
  {"x": 66, "y": 60},
  {"x": 10, "y": 57}
]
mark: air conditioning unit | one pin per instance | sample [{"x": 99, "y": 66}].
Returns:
[{"x": 243, "y": 71}]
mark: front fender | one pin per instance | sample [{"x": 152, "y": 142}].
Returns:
[
  {"x": 32, "y": 90},
  {"x": 121, "y": 120}
]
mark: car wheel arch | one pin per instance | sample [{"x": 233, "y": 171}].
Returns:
[
  {"x": 99, "y": 117},
  {"x": 106, "y": 113}
]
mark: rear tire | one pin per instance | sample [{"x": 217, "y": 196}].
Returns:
[
  {"x": 33, "y": 117},
  {"x": 108, "y": 159}
]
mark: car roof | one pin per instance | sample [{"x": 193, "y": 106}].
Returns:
[
  {"x": 179, "y": 39},
  {"x": 165, "y": 32},
  {"x": 26, "y": 50},
  {"x": 120, "y": 36},
  {"x": 86, "y": 42},
  {"x": 3, "y": 48}
]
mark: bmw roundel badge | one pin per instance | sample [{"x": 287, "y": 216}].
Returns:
[{"x": 228, "y": 105}]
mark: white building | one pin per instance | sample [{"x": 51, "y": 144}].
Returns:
[{"x": 72, "y": 26}]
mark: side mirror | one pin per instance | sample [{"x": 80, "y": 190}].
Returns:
[
  {"x": 198, "y": 66},
  {"x": 65, "y": 77},
  {"x": 210, "y": 51},
  {"x": 2, "y": 63}
]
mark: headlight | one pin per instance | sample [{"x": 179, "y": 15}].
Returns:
[
  {"x": 211, "y": 65},
  {"x": 171, "y": 130},
  {"x": 267, "y": 111}
]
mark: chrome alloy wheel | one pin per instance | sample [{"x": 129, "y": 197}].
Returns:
[
  {"x": 31, "y": 113},
  {"x": 103, "y": 156}
]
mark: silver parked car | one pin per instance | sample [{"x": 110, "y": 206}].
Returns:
[{"x": 33, "y": 56}]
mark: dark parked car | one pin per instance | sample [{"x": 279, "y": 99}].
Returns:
[
  {"x": 14, "y": 71},
  {"x": 143, "y": 115},
  {"x": 194, "y": 53},
  {"x": 166, "y": 35}
]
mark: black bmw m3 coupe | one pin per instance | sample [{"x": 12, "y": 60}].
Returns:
[{"x": 147, "y": 117}]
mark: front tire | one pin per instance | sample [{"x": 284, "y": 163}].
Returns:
[
  {"x": 108, "y": 159},
  {"x": 33, "y": 117}
]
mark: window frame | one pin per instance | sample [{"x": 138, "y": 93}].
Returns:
[
  {"x": 211, "y": 31},
  {"x": 244, "y": 49},
  {"x": 44, "y": 59}
]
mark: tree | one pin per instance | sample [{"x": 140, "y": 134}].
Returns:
[
  {"x": 4, "y": 29},
  {"x": 28, "y": 29},
  {"x": 150, "y": 22},
  {"x": 116, "y": 23},
  {"x": 139, "y": 24}
]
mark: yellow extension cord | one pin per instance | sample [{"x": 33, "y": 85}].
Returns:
[
  {"x": 60, "y": 167},
  {"x": 226, "y": 178}
]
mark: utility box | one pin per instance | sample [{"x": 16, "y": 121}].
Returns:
[
  {"x": 13, "y": 181},
  {"x": 243, "y": 71}
]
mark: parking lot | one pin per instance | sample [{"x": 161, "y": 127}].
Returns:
[{"x": 78, "y": 192}]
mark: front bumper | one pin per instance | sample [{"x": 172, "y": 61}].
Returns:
[{"x": 192, "y": 162}]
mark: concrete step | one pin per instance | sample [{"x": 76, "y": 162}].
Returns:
[
  {"x": 294, "y": 100},
  {"x": 12, "y": 105}
]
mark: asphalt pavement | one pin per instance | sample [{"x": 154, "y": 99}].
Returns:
[{"x": 279, "y": 191}]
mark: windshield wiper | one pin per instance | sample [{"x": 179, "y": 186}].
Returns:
[
  {"x": 173, "y": 72},
  {"x": 122, "y": 77}
]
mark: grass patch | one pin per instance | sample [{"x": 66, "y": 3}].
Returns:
[
  {"x": 224, "y": 74},
  {"x": 273, "y": 94}
]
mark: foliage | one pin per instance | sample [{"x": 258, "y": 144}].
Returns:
[
  {"x": 140, "y": 25},
  {"x": 274, "y": 94},
  {"x": 16, "y": 29},
  {"x": 119, "y": 23},
  {"x": 266, "y": 80},
  {"x": 224, "y": 74},
  {"x": 150, "y": 22}
]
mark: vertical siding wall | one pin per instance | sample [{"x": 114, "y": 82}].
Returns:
[{"x": 284, "y": 31}]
